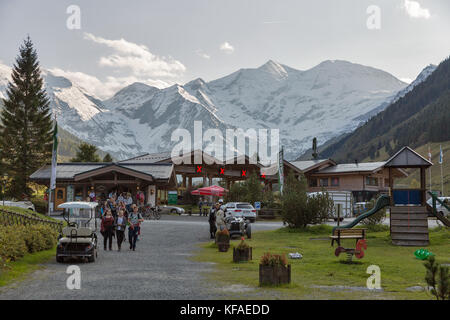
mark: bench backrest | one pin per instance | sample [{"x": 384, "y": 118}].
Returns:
[{"x": 348, "y": 232}]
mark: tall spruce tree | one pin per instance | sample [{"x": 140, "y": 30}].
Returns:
[{"x": 26, "y": 124}]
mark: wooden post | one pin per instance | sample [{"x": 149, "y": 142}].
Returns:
[{"x": 422, "y": 185}]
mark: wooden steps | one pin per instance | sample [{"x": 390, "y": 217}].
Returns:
[{"x": 409, "y": 226}]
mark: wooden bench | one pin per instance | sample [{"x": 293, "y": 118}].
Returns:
[{"x": 338, "y": 234}]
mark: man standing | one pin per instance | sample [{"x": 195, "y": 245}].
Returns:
[
  {"x": 134, "y": 221},
  {"x": 212, "y": 222},
  {"x": 200, "y": 205},
  {"x": 220, "y": 218}
]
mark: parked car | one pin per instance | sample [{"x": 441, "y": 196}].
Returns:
[
  {"x": 241, "y": 209},
  {"x": 20, "y": 204},
  {"x": 171, "y": 209},
  {"x": 440, "y": 208}
]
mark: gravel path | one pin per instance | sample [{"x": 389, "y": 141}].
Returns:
[{"x": 160, "y": 267}]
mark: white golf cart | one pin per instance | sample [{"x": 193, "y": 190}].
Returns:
[{"x": 78, "y": 239}]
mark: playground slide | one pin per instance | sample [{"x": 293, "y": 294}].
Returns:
[
  {"x": 382, "y": 201},
  {"x": 443, "y": 219}
]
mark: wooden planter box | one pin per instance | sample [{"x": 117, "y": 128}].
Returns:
[
  {"x": 274, "y": 275},
  {"x": 240, "y": 255},
  {"x": 223, "y": 243}
]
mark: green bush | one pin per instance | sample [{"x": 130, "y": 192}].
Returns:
[
  {"x": 298, "y": 210},
  {"x": 40, "y": 205},
  {"x": 12, "y": 243},
  {"x": 16, "y": 241}
]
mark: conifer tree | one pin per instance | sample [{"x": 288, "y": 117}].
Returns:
[
  {"x": 107, "y": 158},
  {"x": 86, "y": 153},
  {"x": 26, "y": 124}
]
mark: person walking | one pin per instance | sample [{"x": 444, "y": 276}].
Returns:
[
  {"x": 107, "y": 229},
  {"x": 120, "y": 223},
  {"x": 134, "y": 221},
  {"x": 129, "y": 201}
]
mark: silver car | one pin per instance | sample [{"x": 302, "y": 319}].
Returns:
[
  {"x": 440, "y": 208},
  {"x": 171, "y": 209},
  {"x": 241, "y": 209},
  {"x": 20, "y": 204}
]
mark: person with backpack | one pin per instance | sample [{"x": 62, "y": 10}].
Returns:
[{"x": 134, "y": 222}]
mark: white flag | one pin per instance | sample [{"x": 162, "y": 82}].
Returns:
[
  {"x": 54, "y": 157},
  {"x": 441, "y": 156}
]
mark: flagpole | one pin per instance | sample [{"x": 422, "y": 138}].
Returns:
[
  {"x": 54, "y": 163},
  {"x": 442, "y": 182}
]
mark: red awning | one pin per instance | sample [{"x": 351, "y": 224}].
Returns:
[{"x": 210, "y": 191}]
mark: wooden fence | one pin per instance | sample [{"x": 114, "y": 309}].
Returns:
[{"x": 8, "y": 218}]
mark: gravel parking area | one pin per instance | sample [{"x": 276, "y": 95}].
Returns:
[{"x": 160, "y": 267}]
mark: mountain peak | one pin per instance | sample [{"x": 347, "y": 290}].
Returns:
[{"x": 274, "y": 68}]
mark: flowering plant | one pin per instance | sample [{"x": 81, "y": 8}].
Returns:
[
  {"x": 242, "y": 245},
  {"x": 269, "y": 259}
]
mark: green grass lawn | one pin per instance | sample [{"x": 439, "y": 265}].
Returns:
[
  {"x": 319, "y": 272},
  {"x": 17, "y": 270}
]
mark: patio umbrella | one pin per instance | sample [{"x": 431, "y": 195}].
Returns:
[{"x": 210, "y": 191}]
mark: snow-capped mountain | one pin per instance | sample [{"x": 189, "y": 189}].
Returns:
[
  {"x": 423, "y": 75},
  {"x": 323, "y": 102}
]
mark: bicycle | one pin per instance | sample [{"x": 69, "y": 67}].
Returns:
[{"x": 149, "y": 213}]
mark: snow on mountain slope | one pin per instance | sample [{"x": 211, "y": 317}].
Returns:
[
  {"x": 323, "y": 102},
  {"x": 423, "y": 75}
]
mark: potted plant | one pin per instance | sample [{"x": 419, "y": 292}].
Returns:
[
  {"x": 274, "y": 270},
  {"x": 223, "y": 240},
  {"x": 242, "y": 252}
]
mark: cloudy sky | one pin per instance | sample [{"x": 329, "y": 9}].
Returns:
[{"x": 161, "y": 42}]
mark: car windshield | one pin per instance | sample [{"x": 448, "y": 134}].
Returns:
[{"x": 244, "y": 206}]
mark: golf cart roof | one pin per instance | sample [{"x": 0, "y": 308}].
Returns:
[{"x": 78, "y": 205}]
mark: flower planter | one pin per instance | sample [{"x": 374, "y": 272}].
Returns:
[
  {"x": 240, "y": 255},
  {"x": 274, "y": 275},
  {"x": 223, "y": 242}
]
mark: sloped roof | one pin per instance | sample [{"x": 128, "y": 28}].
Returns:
[
  {"x": 305, "y": 165},
  {"x": 407, "y": 157},
  {"x": 354, "y": 167},
  {"x": 66, "y": 170}
]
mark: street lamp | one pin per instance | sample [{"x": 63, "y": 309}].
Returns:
[{"x": 5, "y": 178}]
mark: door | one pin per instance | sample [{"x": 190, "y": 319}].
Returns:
[{"x": 60, "y": 197}]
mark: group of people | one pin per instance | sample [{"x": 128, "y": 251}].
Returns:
[
  {"x": 217, "y": 218},
  {"x": 117, "y": 213}
]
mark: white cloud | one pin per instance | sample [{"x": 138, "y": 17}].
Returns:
[
  {"x": 104, "y": 89},
  {"x": 137, "y": 58},
  {"x": 227, "y": 47},
  {"x": 415, "y": 10},
  {"x": 202, "y": 54}
]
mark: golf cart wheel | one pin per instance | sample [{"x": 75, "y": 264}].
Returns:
[
  {"x": 59, "y": 259},
  {"x": 92, "y": 258},
  {"x": 249, "y": 231}
]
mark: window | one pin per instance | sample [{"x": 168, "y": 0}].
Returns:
[
  {"x": 60, "y": 194},
  {"x": 371, "y": 181},
  {"x": 335, "y": 182},
  {"x": 313, "y": 182},
  {"x": 324, "y": 182}
]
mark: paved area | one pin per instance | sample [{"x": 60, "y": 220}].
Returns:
[{"x": 160, "y": 267}]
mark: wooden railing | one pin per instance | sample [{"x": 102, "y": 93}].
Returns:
[{"x": 8, "y": 218}]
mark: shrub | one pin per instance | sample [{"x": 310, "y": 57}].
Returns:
[
  {"x": 269, "y": 259},
  {"x": 297, "y": 209},
  {"x": 16, "y": 241},
  {"x": 12, "y": 243},
  {"x": 438, "y": 279},
  {"x": 375, "y": 219},
  {"x": 242, "y": 245},
  {"x": 40, "y": 205}
]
